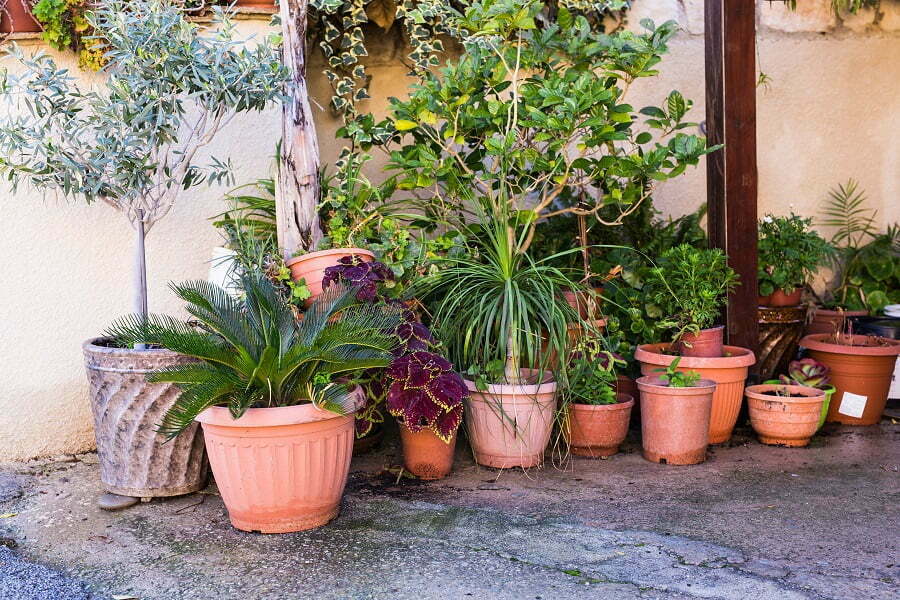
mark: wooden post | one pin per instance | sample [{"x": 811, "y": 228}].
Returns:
[
  {"x": 731, "y": 177},
  {"x": 297, "y": 192}
]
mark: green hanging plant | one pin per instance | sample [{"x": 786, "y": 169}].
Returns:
[{"x": 65, "y": 27}]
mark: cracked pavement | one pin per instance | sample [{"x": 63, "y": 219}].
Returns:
[{"x": 752, "y": 522}]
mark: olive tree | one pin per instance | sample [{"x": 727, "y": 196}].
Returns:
[{"x": 132, "y": 141}]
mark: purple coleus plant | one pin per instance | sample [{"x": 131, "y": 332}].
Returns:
[
  {"x": 808, "y": 372},
  {"x": 365, "y": 276},
  {"x": 425, "y": 393}
]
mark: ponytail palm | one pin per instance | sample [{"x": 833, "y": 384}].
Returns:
[{"x": 252, "y": 352}]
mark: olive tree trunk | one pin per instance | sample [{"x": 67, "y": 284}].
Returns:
[{"x": 297, "y": 193}]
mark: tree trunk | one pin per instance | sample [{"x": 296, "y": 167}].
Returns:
[
  {"x": 297, "y": 193},
  {"x": 140, "y": 273}
]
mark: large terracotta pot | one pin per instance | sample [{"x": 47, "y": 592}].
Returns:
[
  {"x": 596, "y": 431},
  {"x": 823, "y": 320},
  {"x": 311, "y": 267},
  {"x": 784, "y": 421},
  {"x": 861, "y": 371},
  {"x": 675, "y": 421},
  {"x": 729, "y": 372},
  {"x": 425, "y": 455},
  {"x": 134, "y": 459},
  {"x": 779, "y": 299},
  {"x": 706, "y": 343},
  {"x": 510, "y": 425},
  {"x": 17, "y": 18},
  {"x": 279, "y": 469}
]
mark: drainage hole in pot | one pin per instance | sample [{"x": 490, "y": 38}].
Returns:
[{"x": 662, "y": 461}]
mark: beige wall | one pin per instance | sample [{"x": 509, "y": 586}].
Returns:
[{"x": 833, "y": 112}]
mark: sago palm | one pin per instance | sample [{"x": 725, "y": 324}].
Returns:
[{"x": 252, "y": 352}]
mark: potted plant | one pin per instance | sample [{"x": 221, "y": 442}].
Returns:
[
  {"x": 689, "y": 285},
  {"x": 675, "y": 415},
  {"x": 132, "y": 143},
  {"x": 789, "y": 252},
  {"x": 426, "y": 397},
  {"x": 268, "y": 389},
  {"x": 784, "y": 415},
  {"x": 16, "y": 17},
  {"x": 861, "y": 368},
  {"x": 808, "y": 372},
  {"x": 597, "y": 416}
]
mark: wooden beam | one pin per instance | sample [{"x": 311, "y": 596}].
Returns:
[{"x": 732, "y": 173}]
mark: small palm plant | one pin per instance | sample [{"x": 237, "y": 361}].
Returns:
[{"x": 253, "y": 353}]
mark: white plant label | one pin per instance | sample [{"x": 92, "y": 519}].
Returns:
[{"x": 852, "y": 405}]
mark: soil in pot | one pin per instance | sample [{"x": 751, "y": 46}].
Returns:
[
  {"x": 823, "y": 320},
  {"x": 509, "y": 425},
  {"x": 17, "y": 18},
  {"x": 861, "y": 368},
  {"x": 675, "y": 421},
  {"x": 728, "y": 371},
  {"x": 311, "y": 267},
  {"x": 597, "y": 430},
  {"x": 425, "y": 455},
  {"x": 784, "y": 415},
  {"x": 279, "y": 469},
  {"x": 779, "y": 299},
  {"x": 706, "y": 343}
]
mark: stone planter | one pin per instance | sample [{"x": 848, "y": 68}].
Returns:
[
  {"x": 134, "y": 461},
  {"x": 780, "y": 330}
]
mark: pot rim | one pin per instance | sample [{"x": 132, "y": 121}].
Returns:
[
  {"x": 620, "y": 405},
  {"x": 652, "y": 354},
  {"x": 274, "y": 416},
  {"x": 652, "y": 384},
  {"x": 548, "y": 385},
  {"x": 320, "y": 253},
  {"x": 94, "y": 348},
  {"x": 828, "y": 312},
  {"x": 810, "y": 395},
  {"x": 816, "y": 342}
]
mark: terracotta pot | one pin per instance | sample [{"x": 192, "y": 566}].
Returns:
[
  {"x": 626, "y": 385},
  {"x": 134, "y": 459},
  {"x": 255, "y": 3},
  {"x": 784, "y": 421},
  {"x": 279, "y": 469},
  {"x": 860, "y": 373},
  {"x": 729, "y": 372},
  {"x": 586, "y": 303},
  {"x": 828, "y": 321},
  {"x": 829, "y": 392},
  {"x": 596, "y": 431},
  {"x": 425, "y": 455},
  {"x": 17, "y": 18},
  {"x": 675, "y": 421},
  {"x": 311, "y": 267},
  {"x": 779, "y": 299},
  {"x": 706, "y": 343},
  {"x": 510, "y": 425}
]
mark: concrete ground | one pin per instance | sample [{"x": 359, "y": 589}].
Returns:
[{"x": 752, "y": 522}]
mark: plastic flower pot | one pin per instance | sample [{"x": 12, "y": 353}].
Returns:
[
  {"x": 311, "y": 267},
  {"x": 728, "y": 371},
  {"x": 675, "y": 421},
  {"x": 788, "y": 419},
  {"x": 597, "y": 431},
  {"x": 860, "y": 369},
  {"x": 279, "y": 469},
  {"x": 510, "y": 425},
  {"x": 425, "y": 455},
  {"x": 706, "y": 343},
  {"x": 17, "y": 18},
  {"x": 829, "y": 321},
  {"x": 829, "y": 392},
  {"x": 779, "y": 299},
  {"x": 887, "y": 327}
]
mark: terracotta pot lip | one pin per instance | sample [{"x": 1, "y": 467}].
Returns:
[
  {"x": 835, "y": 313},
  {"x": 546, "y": 386},
  {"x": 623, "y": 401},
  {"x": 93, "y": 347},
  {"x": 809, "y": 394},
  {"x": 331, "y": 252},
  {"x": 654, "y": 354},
  {"x": 273, "y": 416},
  {"x": 655, "y": 384},
  {"x": 816, "y": 341}
]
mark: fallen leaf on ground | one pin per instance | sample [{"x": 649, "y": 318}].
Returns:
[{"x": 7, "y": 515}]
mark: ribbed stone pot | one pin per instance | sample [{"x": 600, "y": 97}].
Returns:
[
  {"x": 134, "y": 459},
  {"x": 780, "y": 330}
]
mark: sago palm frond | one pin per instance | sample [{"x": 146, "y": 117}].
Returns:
[{"x": 170, "y": 333}]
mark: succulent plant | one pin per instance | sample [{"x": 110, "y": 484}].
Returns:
[
  {"x": 353, "y": 272},
  {"x": 425, "y": 393},
  {"x": 808, "y": 372}
]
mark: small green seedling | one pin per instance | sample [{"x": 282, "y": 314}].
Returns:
[{"x": 678, "y": 378}]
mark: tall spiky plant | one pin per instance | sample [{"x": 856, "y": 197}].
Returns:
[{"x": 252, "y": 352}]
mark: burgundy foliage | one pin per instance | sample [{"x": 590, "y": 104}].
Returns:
[
  {"x": 365, "y": 276},
  {"x": 426, "y": 393}
]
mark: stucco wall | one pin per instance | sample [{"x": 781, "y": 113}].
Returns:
[{"x": 832, "y": 112}]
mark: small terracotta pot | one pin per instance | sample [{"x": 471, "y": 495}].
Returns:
[
  {"x": 729, "y": 372},
  {"x": 784, "y": 421},
  {"x": 706, "y": 343},
  {"x": 675, "y": 421},
  {"x": 17, "y": 18},
  {"x": 779, "y": 299},
  {"x": 596, "y": 431},
  {"x": 829, "y": 392},
  {"x": 311, "y": 267},
  {"x": 586, "y": 303},
  {"x": 279, "y": 469},
  {"x": 828, "y": 321},
  {"x": 860, "y": 373},
  {"x": 425, "y": 455},
  {"x": 510, "y": 425},
  {"x": 626, "y": 385}
]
